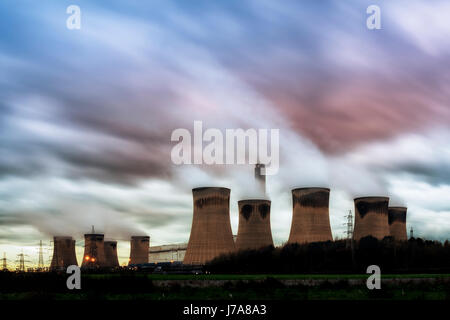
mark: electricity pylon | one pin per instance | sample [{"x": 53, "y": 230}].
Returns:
[{"x": 21, "y": 260}]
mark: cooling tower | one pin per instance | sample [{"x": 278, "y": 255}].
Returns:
[
  {"x": 254, "y": 225},
  {"x": 211, "y": 229},
  {"x": 63, "y": 253},
  {"x": 94, "y": 251},
  {"x": 111, "y": 254},
  {"x": 371, "y": 217},
  {"x": 397, "y": 223},
  {"x": 310, "y": 216},
  {"x": 140, "y": 247}
]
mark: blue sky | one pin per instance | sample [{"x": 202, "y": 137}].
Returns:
[{"x": 86, "y": 115}]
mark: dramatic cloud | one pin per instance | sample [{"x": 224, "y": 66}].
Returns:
[{"x": 86, "y": 115}]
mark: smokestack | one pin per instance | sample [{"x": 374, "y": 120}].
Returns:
[
  {"x": 63, "y": 253},
  {"x": 371, "y": 217},
  {"x": 260, "y": 178},
  {"x": 310, "y": 215},
  {"x": 254, "y": 224},
  {"x": 140, "y": 247},
  {"x": 94, "y": 251},
  {"x": 211, "y": 233},
  {"x": 397, "y": 223},
  {"x": 111, "y": 254}
]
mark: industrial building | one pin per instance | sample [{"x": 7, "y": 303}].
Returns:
[
  {"x": 371, "y": 217},
  {"x": 140, "y": 246},
  {"x": 310, "y": 215},
  {"x": 254, "y": 230},
  {"x": 211, "y": 233},
  {"x": 63, "y": 253},
  {"x": 94, "y": 251},
  {"x": 167, "y": 253},
  {"x": 397, "y": 223},
  {"x": 111, "y": 259}
]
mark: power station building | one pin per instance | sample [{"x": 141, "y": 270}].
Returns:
[
  {"x": 140, "y": 246},
  {"x": 310, "y": 215},
  {"x": 167, "y": 253},
  {"x": 211, "y": 233},
  {"x": 111, "y": 259},
  {"x": 63, "y": 253},
  {"x": 371, "y": 217},
  {"x": 94, "y": 251},
  {"x": 397, "y": 223},
  {"x": 254, "y": 230}
]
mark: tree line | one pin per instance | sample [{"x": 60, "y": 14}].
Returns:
[{"x": 413, "y": 256}]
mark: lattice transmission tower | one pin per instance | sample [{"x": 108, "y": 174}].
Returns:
[
  {"x": 349, "y": 224},
  {"x": 21, "y": 261},
  {"x": 41, "y": 256}
]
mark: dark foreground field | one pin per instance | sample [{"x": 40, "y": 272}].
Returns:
[{"x": 138, "y": 286}]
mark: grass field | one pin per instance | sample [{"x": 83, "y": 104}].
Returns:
[
  {"x": 273, "y": 276},
  {"x": 140, "y": 286}
]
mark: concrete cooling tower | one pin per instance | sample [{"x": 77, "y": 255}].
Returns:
[
  {"x": 371, "y": 217},
  {"x": 63, "y": 253},
  {"x": 397, "y": 223},
  {"x": 94, "y": 251},
  {"x": 140, "y": 247},
  {"x": 211, "y": 233},
  {"x": 111, "y": 260},
  {"x": 310, "y": 216},
  {"x": 254, "y": 225}
]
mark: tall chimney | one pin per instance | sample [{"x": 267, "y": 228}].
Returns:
[
  {"x": 371, "y": 217},
  {"x": 111, "y": 254},
  {"x": 397, "y": 223},
  {"x": 211, "y": 233},
  {"x": 254, "y": 224},
  {"x": 63, "y": 253},
  {"x": 260, "y": 178},
  {"x": 140, "y": 247},
  {"x": 310, "y": 215},
  {"x": 94, "y": 251}
]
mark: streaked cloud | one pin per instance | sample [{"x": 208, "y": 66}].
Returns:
[{"x": 86, "y": 116}]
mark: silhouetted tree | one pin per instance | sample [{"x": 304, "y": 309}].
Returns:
[{"x": 414, "y": 255}]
